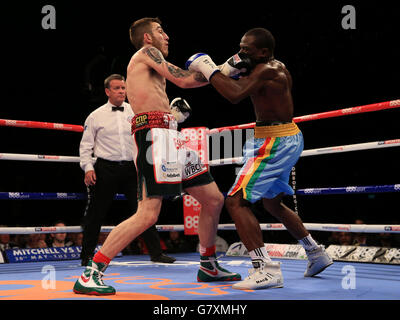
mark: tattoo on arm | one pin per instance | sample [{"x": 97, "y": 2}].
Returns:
[
  {"x": 177, "y": 72},
  {"x": 154, "y": 55},
  {"x": 180, "y": 73}
]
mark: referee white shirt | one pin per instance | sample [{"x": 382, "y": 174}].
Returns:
[{"x": 107, "y": 135}]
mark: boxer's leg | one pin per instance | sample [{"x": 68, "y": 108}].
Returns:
[
  {"x": 91, "y": 281},
  {"x": 318, "y": 259},
  {"x": 211, "y": 201}
]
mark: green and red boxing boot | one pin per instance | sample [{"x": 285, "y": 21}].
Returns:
[
  {"x": 210, "y": 270},
  {"x": 91, "y": 283}
]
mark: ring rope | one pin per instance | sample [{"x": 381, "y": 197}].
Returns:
[
  {"x": 350, "y": 189},
  {"x": 38, "y": 157},
  {"x": 307, "y": 191},
  {"x": 238, "y": 160},
  {"x": 309, "y": 226},
  {"x": 40, "y": 125},
  {"x": 320, "y": 151},
  {"x": 323, "y": 115},
  {"x": 328, "y": 227}
]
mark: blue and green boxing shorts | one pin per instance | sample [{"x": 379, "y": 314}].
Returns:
[{"x": 269, "y": 158}]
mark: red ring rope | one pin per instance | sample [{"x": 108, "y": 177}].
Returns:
[
  {"x": 40, "y": 125},
  {"x": 323, "y": 115}
]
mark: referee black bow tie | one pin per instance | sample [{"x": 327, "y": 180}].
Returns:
[{"x": 117, "y": 108}]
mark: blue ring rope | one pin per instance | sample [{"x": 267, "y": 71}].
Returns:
[{"x": 308, "y": 191}]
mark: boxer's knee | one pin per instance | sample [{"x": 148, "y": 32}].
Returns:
[
  {"x": 231, "y": 203},
  {"x": 208, "y": 196},
  {"x": 235, "y": 203},
  {"x": 274, "y": 206},
  {"x": 217, "y": 200},
  {"x": 148, "y": 211}
]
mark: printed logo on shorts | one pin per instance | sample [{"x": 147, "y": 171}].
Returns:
[
  {"x": 169, "y": 171},
  {"x": 192, "y": 169},
  {"x": 141, "y": 120}
]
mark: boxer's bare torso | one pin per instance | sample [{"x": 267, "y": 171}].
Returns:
[
  {"x": 147, "y": 74},
  {"x": 272, "y": 99},
  {"x": 145, "y": 86},
  {"x": 268, "y": 85}
]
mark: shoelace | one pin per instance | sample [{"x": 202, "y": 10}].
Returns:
[
  {"x": 258, "y": 270},
  {"x": 251, "y": 272},
  {"x": 98, "y": 274}
]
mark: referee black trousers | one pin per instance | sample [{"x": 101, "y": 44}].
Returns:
[{"x": 111, "y": 177}]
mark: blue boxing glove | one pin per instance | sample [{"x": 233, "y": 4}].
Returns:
[
  {"x": 180, "y": 109},
  {"x": 237, "y": 65},
  {"x": 201, "y": 62}
]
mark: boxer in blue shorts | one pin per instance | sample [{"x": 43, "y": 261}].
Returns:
[
  {"x": 269, "y": 156},
  {"x": 268, "y": 162}
]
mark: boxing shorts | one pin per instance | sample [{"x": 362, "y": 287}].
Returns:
[
  {"x": 268, "y": 161},
  {"x": 165, "y": 166}
]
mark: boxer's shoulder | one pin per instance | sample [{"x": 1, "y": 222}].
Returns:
[{"x": 150, "y": 52}]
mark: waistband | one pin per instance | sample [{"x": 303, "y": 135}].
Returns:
[
  {"x": 121, "y": 163},
  {"x": 153, "y": 119},
  {"x": 276, "y": 130}
]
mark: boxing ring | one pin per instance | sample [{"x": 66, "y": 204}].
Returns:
[{"x": 359, "y": 273}]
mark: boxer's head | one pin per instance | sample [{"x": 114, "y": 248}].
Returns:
[
  {"x": 149, "y": 31},
  {"x": 258, "y": 45}
]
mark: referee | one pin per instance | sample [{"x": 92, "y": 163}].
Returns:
[{"x": 107, "y": 136}]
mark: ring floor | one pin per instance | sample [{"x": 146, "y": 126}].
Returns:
[{"x": 137, "y": 278}]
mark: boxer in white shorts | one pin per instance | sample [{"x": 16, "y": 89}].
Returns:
[
  {"x": 146, "y": 81},
  {"x": 165, "y": 166}
]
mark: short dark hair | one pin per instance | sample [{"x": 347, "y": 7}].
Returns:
[
  {"x": 262, "y": 38},
  {"x": 139, "y": 28},
  {"x": 112, "y": 77}
]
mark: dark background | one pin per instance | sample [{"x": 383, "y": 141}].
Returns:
[{"x": 45, "y": 76}]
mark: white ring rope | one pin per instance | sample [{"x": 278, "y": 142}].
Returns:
[
  {"x": 320, "y": 151},
  {"x": 305, "y": 153},
  {"x": 359, "y": 228}
]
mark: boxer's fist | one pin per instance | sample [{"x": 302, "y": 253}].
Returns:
[
  {"x": 236, "y": 65},
  {"x": 202, "y": 62},
  {"x": 180, "y": 109}
]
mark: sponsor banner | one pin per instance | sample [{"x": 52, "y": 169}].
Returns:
[
  {"x": 281, "y": 251},
  {"x": 44, "y": 254},
  {"x": 392, "y": 255},
  {"x": 337, "y": 252},
  {"x": 191, "y": 214},
  {"x": 286, "y": 251},
  {"x": 364, "y": 254}
]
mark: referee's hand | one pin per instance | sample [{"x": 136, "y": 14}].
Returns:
[{"x": 90, "y": 178}]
